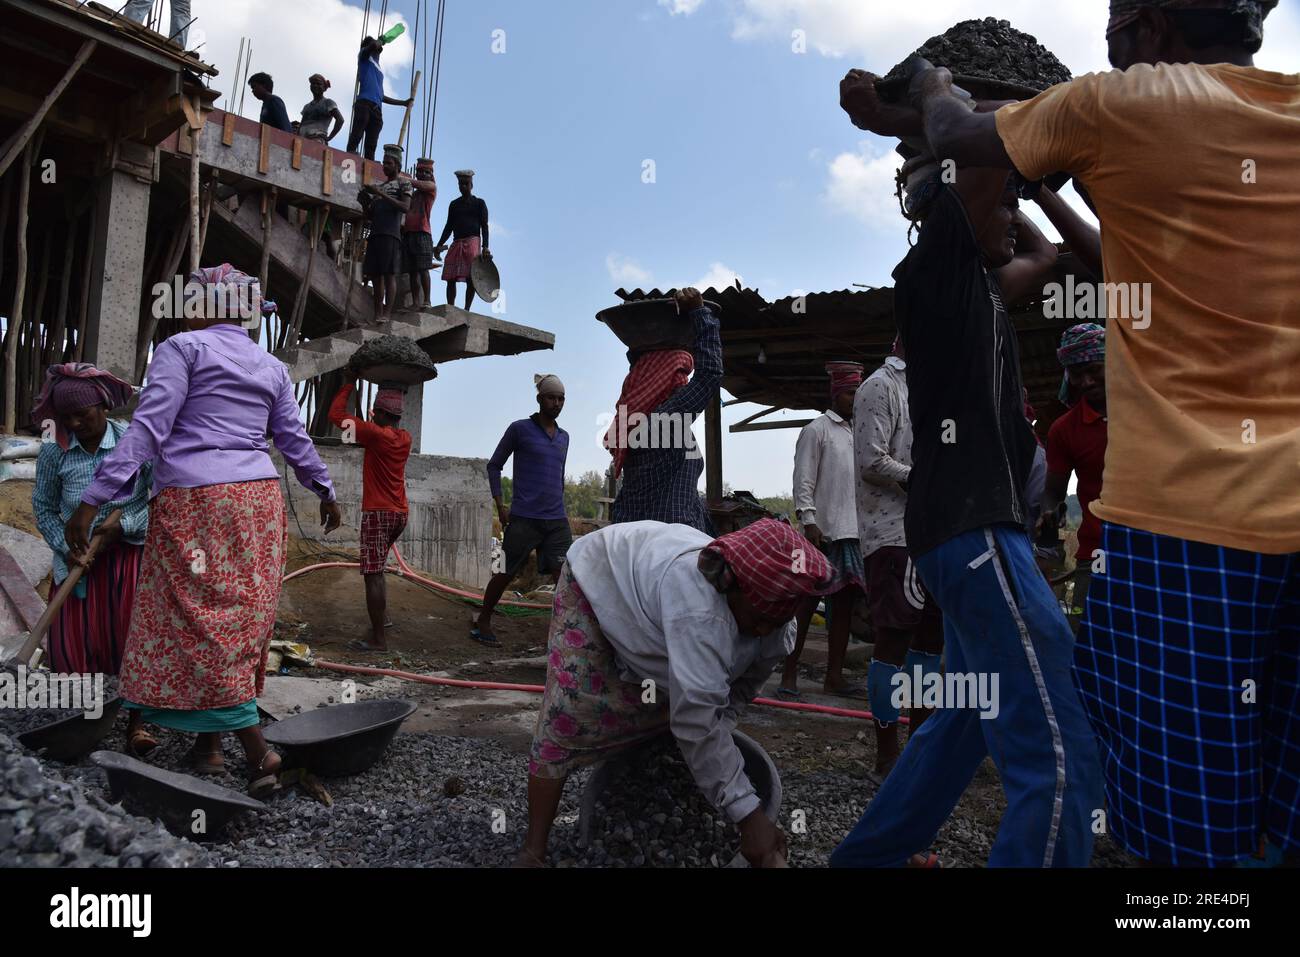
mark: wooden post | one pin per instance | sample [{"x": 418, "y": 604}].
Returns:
[
  {"x": 264, "y": 270},
  {"x": 91, "y": 222},
  {"x": 171, "y": 263},
  {"x": 406, "y": 117},
  {"x": 20, "y": 289},
  {"x": 713, "y": 447},
  {"x": 358, "y": 253},
  {"x": 300, "y": 303},
  {"x": 20, "y": 139},
  {"x": 54, "y": 347}
]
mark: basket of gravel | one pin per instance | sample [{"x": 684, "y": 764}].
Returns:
[
  {"x": 393, "y": 361},
  {"x": 989, "y": 59}
]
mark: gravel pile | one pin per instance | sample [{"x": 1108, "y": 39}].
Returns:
[
  {"x": 45, "y": 822},
  {"x": 990, "y": 49},
  {"x": 442, "y": 801}
]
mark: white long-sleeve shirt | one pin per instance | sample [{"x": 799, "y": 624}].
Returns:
[
  {"x": 824, "y": 477},
  {"x": 882, "y": 450},
  {"x": 667, "y": 623}
]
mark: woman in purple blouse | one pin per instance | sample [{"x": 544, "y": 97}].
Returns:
[{"x": 214, "y": 556}]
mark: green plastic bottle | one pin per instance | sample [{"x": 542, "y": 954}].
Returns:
[{"x": 392, "y": 34}]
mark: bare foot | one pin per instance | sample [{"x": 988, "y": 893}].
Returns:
[{"x": 526, "y": 858}]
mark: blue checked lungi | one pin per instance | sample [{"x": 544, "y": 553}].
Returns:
[{"x": 1175, "y": 634}]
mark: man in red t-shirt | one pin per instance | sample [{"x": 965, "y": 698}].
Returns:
[
  {"x": 1077, "y": 443},
  {"x": 383, "y": 493},
  {"x": 417, "y": 234}
]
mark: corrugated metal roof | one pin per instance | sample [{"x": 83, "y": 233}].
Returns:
[{"x": 774, "y": 353}]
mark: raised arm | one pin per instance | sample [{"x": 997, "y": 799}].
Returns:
[
  {"x": 1082, "y": 237},
  {"x": 695, "y": 395}
]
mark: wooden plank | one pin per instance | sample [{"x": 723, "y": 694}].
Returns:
[
  {"x": 264, "y": 151},
  {"x": 21, "y": 138},
  {"x": 327, "y": 172},
  {"x": 228, "y": 130},
  {"x": 295, "y": 158}
]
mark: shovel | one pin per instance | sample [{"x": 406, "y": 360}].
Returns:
[{"x": 60, "y": 596}]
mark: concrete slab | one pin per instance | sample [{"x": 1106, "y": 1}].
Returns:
[{"x": 31, "y": 553}]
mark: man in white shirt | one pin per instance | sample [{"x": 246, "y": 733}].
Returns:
[
  {"x": 657, "y": 627},
  {"x": 824, "y": 505},
  {"x": 906, "y": 622}
]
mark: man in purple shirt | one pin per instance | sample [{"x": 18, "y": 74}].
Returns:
[{"x": 535, "y": 520}]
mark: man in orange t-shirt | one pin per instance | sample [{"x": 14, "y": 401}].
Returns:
[
  {"x": 383, "y": 493},
  {"x": 1188, "y": 653}
]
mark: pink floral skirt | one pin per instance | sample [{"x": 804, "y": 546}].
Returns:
[
  {"x": 206, "y": 600},
  {"x": 588, "y": 712}
]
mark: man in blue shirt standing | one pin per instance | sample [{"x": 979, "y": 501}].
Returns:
[
  {"x": 536, "y": 520},
  {"x": 368, "y": 109}
]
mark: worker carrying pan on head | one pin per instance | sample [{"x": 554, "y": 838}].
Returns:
[
  {"x": 384, "y": 506},
  {"x": 659, "y": 628},
  {"x": 467, "y": 222}
]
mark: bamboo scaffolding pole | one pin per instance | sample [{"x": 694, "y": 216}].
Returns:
[
  {"x": 20, "y": 290},
  {"x": 25, "y": 132},
  {"x": 92, "y": 221},
  {"x": 54, "y": 346}
]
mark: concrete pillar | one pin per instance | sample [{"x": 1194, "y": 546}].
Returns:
[
  {"x": 117, "y": 274},
  {"x": 413, "y": 414}
]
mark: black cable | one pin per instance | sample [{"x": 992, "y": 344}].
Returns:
[{"x": 437, "y": 67}]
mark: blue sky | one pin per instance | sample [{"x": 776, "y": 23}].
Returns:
[{"x": 758, "y": 173}]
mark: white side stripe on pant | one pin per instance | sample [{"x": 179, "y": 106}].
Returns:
[{"x": 1058, "y": 801}]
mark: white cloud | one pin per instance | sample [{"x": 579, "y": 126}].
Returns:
[
  {"x": 880, "y": 37},
  {"x": 862, "y": 185},
  {"x": 719, "y": 276},
  {"x": 292, "y": 39},
  {"x": 684, "y": 7},
  {"x": 626, "y": 271}
]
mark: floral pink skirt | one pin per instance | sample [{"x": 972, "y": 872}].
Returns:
[
  {"x": 588, "y": 712},
  {"x": 206, "y": 600}
]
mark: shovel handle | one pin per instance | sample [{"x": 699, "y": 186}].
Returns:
[{"x": 61, "y": 595}]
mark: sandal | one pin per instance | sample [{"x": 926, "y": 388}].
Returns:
[
  {"x": 200, "y": 762},
  {"x": 263, "y": 782},
  {"x": 789, "y": 694},
  {"x": 855, "y": 691},
  {"x": 140, "y": 743},
  {"x": 484, "y": 637},
  {"x": 924, "y": 861}
]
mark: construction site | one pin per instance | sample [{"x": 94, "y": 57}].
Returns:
[
  {"x": 411, "y": 726},
  {"x": 150, "y": 179}
]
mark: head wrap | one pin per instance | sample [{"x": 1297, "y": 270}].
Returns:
[
  {"x": 316, "y": 76},
  {"x": 654, "y": 377},
  {"x": 76, "y": 385},
  {"x": 1080, "y": 345},
  {"x": 845, "y": 377},
  {"x": 1253, "y": 12},
  {"x": 775, "y": 567},
  {"x": 390, "y": 401},
  {"x": 424, "y": 163},
  {"x": 233, "y": 290},
  {"x": 548, "y": 384}
]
